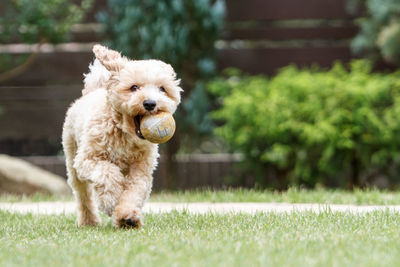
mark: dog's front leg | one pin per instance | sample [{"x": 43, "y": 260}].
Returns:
[
  {"x": 107, "y": 181},
  {"x": 128, "y": 211}
]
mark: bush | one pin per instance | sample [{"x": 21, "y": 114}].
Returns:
[
  {"x": 380, "y": 31},
  {"x": 302, "y": 127},
  {"x": 179, "y": 32},
  {"x": 35, "y": 22},
  {"x": 38, "y": 21}
]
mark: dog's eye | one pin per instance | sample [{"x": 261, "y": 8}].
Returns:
[
  {"x": 134, "y": 87},
  {"x": 162, "y": 89}
]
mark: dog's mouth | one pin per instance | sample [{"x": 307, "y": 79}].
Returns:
[{"x": 137, "y": 120}]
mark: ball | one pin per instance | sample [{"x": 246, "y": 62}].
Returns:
[{"x": 158, "y": 128}]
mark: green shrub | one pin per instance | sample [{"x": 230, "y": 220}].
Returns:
[
  {"x": 380, "y": 31},
  {"x": 37, "y": 21},
  {"x": 304, "y": 127},
  {"x": 179, "y": 32}
]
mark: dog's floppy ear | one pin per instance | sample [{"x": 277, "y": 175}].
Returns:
[{"x": 110, "y": 59}]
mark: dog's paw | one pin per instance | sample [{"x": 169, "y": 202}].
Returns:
[
  {"x": 128, "y": 218},
  {"x": 88, "y": 221},
  {"x": 130, "y": 223}
]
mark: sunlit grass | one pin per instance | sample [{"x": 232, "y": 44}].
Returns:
[
  {"x": 37, "y": 197},
  {"x": 179, "y": 239},
  {"x": 293, "y": 195}
]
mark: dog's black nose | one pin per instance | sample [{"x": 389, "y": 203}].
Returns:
[{"x": 149, "y": 104}]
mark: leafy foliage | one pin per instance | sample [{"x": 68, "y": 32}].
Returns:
[
  {"x": 37, "y": 21},
  {"x": 380, "y": 31},
  {"x": 179, "y": 32},
  {"x": 305, "y": 127}
]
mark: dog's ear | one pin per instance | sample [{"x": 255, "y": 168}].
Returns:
[{"x": 110, "y": 59}]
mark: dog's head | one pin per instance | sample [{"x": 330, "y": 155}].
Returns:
[{"x": 138, "y": 87}]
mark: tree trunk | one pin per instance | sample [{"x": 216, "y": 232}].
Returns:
[
  {"x": 173, "y": 145},
  {"x": 171, "y": 163},
  {"x": 355, "y": 172}
]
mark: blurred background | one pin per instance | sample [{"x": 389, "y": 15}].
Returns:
[{"x": 277, "y": 93}]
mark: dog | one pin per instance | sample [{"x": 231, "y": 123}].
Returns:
[{"x": 109, "y": 163}]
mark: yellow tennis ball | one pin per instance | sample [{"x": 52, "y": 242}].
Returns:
[{"x": 158, "y": 128}]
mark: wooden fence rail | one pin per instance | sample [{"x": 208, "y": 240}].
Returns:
[
  {"x": 260, "y": 36},
  {"x": 199, "y": 170},
  {"x": 247, "y": 20}
]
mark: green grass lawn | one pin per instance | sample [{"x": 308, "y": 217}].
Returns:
[
  {"x": 293, "y": 195},
  {"x": 179, "y": 239}
]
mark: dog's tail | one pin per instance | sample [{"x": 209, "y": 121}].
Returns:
[{"x": 96, "y": 78}]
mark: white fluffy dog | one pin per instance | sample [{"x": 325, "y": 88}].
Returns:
[{"x": 109, "y": 163}]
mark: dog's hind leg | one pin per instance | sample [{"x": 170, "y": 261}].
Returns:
[
  {"x": 87, "y": 209},
  {"x": 83, "y": 191}
]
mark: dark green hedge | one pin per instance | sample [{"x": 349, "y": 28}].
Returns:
[{"x": 305, "y": 127}]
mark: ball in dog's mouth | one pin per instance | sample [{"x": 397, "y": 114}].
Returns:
[
  {"x": 158, "y": 128},
  {"x": 137, "y": 120}
]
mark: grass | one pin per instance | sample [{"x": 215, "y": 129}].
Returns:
[
  {"x": 293, "y": 195},
  {"x": 37, "y": 197},
  {"x": 179, "y": 239}
]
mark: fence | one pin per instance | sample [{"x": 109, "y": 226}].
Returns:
[
  {"x": 198, "y": 170},
  {"x": 260, "y": 36}
]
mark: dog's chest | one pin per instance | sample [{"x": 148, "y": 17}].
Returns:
[{"x": 124, "y": 153}]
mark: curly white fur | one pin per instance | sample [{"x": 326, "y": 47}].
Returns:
[
  {"x": 109, "y": 166},
  {"x": 96, "y": 78}
]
